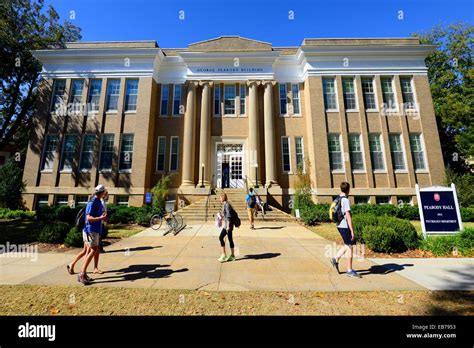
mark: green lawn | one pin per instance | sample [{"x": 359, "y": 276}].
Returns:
[{"x": 123, "y": 231}]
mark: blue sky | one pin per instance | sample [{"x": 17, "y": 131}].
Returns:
[{"x": 265, "y": 20}]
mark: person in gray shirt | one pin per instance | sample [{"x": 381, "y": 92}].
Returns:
[{"x": 227, "y": 228}]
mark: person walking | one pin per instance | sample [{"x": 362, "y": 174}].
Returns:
[
  {"x": 94, "y": 216},
  {"x": 346, "y": 231},
  {"x": 251, "y": 200},
  {"x": 227, "y": 228}
]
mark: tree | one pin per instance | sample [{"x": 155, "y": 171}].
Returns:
[
  {"x": 11, "y": 185},
  {"x": 25, "y": 26},
  {"x": 451, "y": 73},
  {"x": 160, "y": 191}
]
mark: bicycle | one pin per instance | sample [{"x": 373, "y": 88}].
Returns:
[
  {"x": 260, "y": 207},
  {"x": 173, "y": 220}
]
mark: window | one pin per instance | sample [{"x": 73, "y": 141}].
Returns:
[
  {"x": 126, "y": 152},
  {"x": 349, "y": 94},
  {"x": 42, "y": 200},
  {"x": 81, "y": 199},
  {"x": 382, "y": 200},
  {"x": 404, "y": 200},
  {"x": 285, "y": 152},
  {"x": 299, "y": 153},
  {"x": 283, "y": 99},
  {"x": 50, "y": 147},
  {"x": 329, "y": 90},
  {"x": 87, "y": 152},
  {"x": 407, "y": 93},
  {"x": 295, "y": 93},
  {"x": 417, "y": 152},
  {"x": 376, "y": 152},
  {"x": 396, "y": 149},
  {"x": 57, "y": 102},
  {"x": 106, "y": 152},
  {"x": 94, "y": 95},
  {"x": 355, "y": 151},
  {"x": 160, "y": 161},
  {"x": 335, "y": 152},
  {"x": 361, "y": 199},
  {"x": 369, "y": 94},
  {"x": 217, "y": 100},
  {"x": 131, "y": 95},
  {"x": 174, "y": 153},
  {"x": 76, "y": 95},
  {"x": 176, "y": 99},
  {"x": 62, "y": 200},
  {"x": 69, "y": 152},
  {"x": 113, "y": 91},
  {"x": 229, "y": 100},
  {"x": 388, "y": 94},
  {"x": 164, "y": 100},
  {"x": 243, "y": 93},
  {"x": 121, "y": 200}
]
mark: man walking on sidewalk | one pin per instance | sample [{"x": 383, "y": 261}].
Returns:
[
  {"x": 251, "y": 200},
  {"x": 346, "y": 230}
]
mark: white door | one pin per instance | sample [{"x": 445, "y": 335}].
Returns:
[{"x": 235, "y": 164}]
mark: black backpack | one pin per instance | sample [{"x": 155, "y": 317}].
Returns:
[
  {"x": 252, "y": 201},
  {"x": 80, "y": 221},
  {"x": 234, "y": 217}
]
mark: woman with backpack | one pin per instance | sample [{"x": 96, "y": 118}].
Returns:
[{"x": 227, "y": 228}]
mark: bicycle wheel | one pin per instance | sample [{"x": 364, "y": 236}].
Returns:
[
  {"x": 179, "y": 220},
  {"x": 156, "y": 221}
]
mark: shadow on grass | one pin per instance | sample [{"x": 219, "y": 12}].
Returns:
[
  {"x": 384, "y": 269},
  {"x": 135, "y": 272},
  {"x": 451, "y": 303},
  {"x": 259, "y": 256}
]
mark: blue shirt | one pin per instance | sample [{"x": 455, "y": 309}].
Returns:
[
  {"x": 247, "y": 198},
  {"x": 94, "y": 208}
]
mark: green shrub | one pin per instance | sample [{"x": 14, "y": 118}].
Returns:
[
  {"x": 312, "y": 216},
  {"x": 359, "y": 221},
  {"x": 11, "y": 184},
  {"x": 383, "y": 239},
  {"x": 467, "y": 214},
  {"x": 62, "y": 213},
  {"x": 73, "y": 238},
  {"x": 143, "y": 215},
  {"x": 120, "y": 214},
  {"x": 16, "y": 214},
  {"x": 463, "y": 242},
  {"x": 403, "y": 228},
  {"x": 54, "y": 232}
]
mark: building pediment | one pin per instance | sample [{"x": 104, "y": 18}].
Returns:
[{"x": 230, "y": 43}]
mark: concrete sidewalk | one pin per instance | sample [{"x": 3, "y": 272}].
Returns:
[{"x": 276, "y": 256}]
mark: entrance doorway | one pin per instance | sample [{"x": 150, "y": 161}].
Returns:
[{"x": 230, "y": 165}]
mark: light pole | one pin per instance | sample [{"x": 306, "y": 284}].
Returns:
[
  {"x": 256, "y": 174},
  {"x": 202, "y": 176}
]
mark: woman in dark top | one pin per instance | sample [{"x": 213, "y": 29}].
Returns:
[{"x": 227, "y": 229}]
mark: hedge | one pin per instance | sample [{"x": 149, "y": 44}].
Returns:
[
  {"x": 15, "y": 214},
  {"x": 383, "y": 239},
  {"x": 74, "y": 238},
  {"x": 462, "y": 242},
  {"x": 54, "y": 232}
]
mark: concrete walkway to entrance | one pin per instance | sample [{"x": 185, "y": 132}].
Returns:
[{"x": 276, "y": 256}]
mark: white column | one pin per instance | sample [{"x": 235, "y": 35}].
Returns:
[
  {"x": 188, "y": 136},
  {"x": 269, "y": 131},
  {"x": 205, "y": 134},
  {"x": 253, "y": 132}
]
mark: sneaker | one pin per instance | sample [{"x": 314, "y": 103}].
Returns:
[
  {"x": 82, "y": 278},
  {"x": 335, "y": 264},
  {"x": 353, "y": 274},
  {"x": 223, "y": 258},
  {"x": 231, "y": 258}
]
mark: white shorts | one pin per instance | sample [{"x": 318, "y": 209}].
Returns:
[{"x": 91, "y": 239}]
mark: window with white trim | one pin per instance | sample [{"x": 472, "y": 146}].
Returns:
[
  {"x": 283, "y": 99},
  {"x": 388, "y": 93},
  {"x": 57, "y": 102},
  {"x": 174, "y": 153},
  {"x": 407, "y": 93},
  {"x": 42, "y": 200},
  {"x": 161, "y": 153},
  {"x": 401, "y": 200},
  {"x": 361, "y": 199},
  {"x": 121, "y": 200},
  {"x": 348, "y": 90},
  {"x": 81, "y": 199},
  {"x": 229, "y": 99},
  {"x": 113, "y": 92},
  {"x": 69, "y": 152},
  {"x": 61, "y": 200},
  {"x": 335, "y": 152},
  {"x": 87, "y": 152},
  {"x": 299, "y": 153},
  {"x": 165, "y": 89},
  {"x": 106, "y": 152},
  {"x": 355, "y": 152},
  {"x": 50, "y": 148},
  {"x": 95, "y": 89},
  {"x": 77, "y": 87},
  {"x": 177, "y": 99},
  {"x": 126, "y": 152},
  {"x": 368, "y": 91},
  {"x": 376, "y": 152},
  {"x": 131, "y": 95},
  {"x": 329, "y": 91},
  {"x": 396, "y": 150},
  {"x": 295, "y": 98},
  {"x": 285, "y": 153},
  {"x": 382, "y": 199},
  {"x": 417, "y": 151},
  {"x": 243, "y": 93},
  {"x": 217, "y": 99}
]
